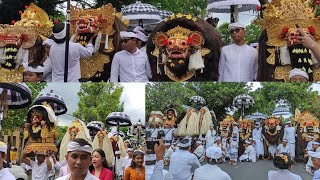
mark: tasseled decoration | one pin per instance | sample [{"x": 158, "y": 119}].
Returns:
[
  {"x": 164, "y": 60},
  {"x": 196, "y": 61},
  {"x": 97, "y": 43},
  {"x": 106, "y": 45}
]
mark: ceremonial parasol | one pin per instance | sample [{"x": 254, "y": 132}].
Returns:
[
  {"x": 118, "y": 119},
  {"x": 54, "y": 100},
  {"x": 141, "y": 14},
  {"x": 232, "y": 6},
  {"x": 13, "y": 96},
  {"x": 243, "y": 101},
  {"x": 164, "y": 14}
]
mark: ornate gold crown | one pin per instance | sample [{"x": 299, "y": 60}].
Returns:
[
  {"x": 179, "y": 32},
  {"x": 76, "y": 123},
  {"x": 37, "y": 18},
  {"x": 105, "y": 14},
  {"x": 280, "y": 14},
  {"x": 179, "y": 15}
]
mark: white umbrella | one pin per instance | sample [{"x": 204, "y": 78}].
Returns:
[
  {"x": 232, "y": 6},
  {"x": 141, "y": 14}
]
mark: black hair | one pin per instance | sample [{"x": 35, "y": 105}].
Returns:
[
  {"x": 104, "y": 162},
  {"x": 135, "y": 154},
  {"x": 280, "y": 162}
]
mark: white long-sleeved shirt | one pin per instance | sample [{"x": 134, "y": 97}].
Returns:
[
  {"x": 238, "y": 63},
  {"x": 282, "y": 174},
  {"x": 6, "y": 175},
  {"x": 156, "y": 172},
  {"x": 290, "y": 134},
  {"x": 283, "y": 149},
  {"x": 57, "y": 58},
  {"x": 200, "y": 152},
  {"x": 130, "y": 67},
  {"x": 209, "y": 171},
  {"x": 55, "y": 166},
  {"x": 181, "y": 162}
]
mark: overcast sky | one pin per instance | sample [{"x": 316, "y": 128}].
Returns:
[{"x": 133, "y": 97}]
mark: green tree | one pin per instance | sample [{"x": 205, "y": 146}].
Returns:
[
  {"x": 298, "y": 95},
  {"x": 160, "y": 95},
  {"x": 16, "y": 117},
  {"x": 61, "y": 131},
  {"x": 97, "y": 100},
  {"x": 253, "y": 32},
  {"x": 218, "y": 96},
  {"x": 224, "y": 33}
]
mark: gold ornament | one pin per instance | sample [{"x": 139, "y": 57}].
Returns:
[
  {"x": 282, "y": 73},
  {"x": 90, "y": 66},
  {"x": 36, "y": 18}
]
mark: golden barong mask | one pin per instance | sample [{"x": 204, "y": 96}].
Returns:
[{"x": 178, "y": 42}]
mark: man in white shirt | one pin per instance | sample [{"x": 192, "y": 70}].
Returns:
[
  {"x": 238, "y": 61},
  {"x": 55, "y": 165},
  {"x": 130, "y": 64},
  {"x": 199, "y": 151},
  {"x": 168, "y": 133},
  {"x": 283, "y": 148},
  {"x": 211, "y": 170},
  {"x": 57, "y": 55},
  {"x": 79, "y": 159},
  {"x": 127, "y": 160},
  {"x": 182, "y": 161},
  {"x": 290, "y": 135},
  {"x": 249, "y": 154},
  {"x": 41, "y": 167},
  {"x": 5, "y": 174},
  {"x": 210, "y": 136},
  {"x": 118, "y": 164},
  {"x": 257, "y": 137},
  {"x": 315, "y": 157}
]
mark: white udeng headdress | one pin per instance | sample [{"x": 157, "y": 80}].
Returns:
[{"x": 74, "y": 146}]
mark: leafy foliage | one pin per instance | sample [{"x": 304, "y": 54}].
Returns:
[
  {"x": 224, "y": 33},
  {"x": 253, "y": 32},
  {"x": 98, "y": 100},
  {"x": 61, "y": 131}
]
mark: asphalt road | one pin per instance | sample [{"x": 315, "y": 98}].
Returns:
[{"x": 258, "y": 170}]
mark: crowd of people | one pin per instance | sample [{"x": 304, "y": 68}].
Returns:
[
  {"x": 190, "y": 156},
  {"x": 81, "y": 162}
]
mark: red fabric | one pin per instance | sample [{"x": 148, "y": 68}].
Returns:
[{"x": 105, "y": 174}]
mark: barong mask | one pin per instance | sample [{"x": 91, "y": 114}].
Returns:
[
  {"x": 281, "y": 19},
  {"x": 181, "y": 48},
  {"x": 225, "y": 125},
  {"x": 85, "y": 23},
  {"x": 309, "y": 125},
  {"x": 12, "y": 38},
  {"x": 22, "y": 42},
  {"x": 177, "y": 45},
  {"x": 88, "y": 22}
]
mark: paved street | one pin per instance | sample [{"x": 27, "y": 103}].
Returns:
[{"x": 258, "y": 170}]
